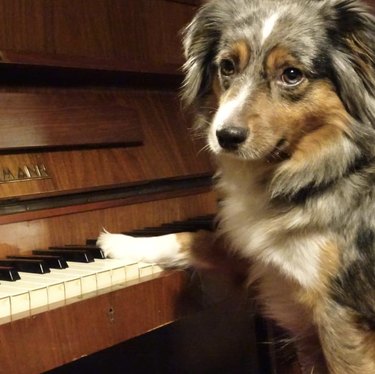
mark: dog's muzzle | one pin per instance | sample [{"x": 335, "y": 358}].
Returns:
[{"x": 231, "y": 137}]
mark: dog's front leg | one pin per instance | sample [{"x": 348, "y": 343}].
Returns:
[
  {"x": 171, "y": 250},
  {"x": 201, "y": 249}
]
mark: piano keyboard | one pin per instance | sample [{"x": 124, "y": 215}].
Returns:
[
  {"x": 33, "y": 284},
  {"x": 34, "y": 293}
]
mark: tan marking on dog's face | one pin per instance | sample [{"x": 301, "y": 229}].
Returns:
[
  {"x": 241, "y": 53},
  {"x": 280, "y": 58}
]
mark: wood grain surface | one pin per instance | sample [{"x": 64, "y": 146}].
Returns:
[
  {"x": 168, "y": 150},
  {"x": 131, "y": 35},
  {"x": 55, "y": 120}
]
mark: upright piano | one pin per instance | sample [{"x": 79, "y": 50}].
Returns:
[{"x": 92, "y": 137}]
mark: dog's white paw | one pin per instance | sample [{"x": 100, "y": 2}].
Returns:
[
  {"x": 119, "y": 246},
  {"x": 164, "y": 250}
]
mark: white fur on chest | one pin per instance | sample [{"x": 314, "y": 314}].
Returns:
[{"x": 258, "y": 232}]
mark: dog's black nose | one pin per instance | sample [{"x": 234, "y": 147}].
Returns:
[{"x": 231, "y": 137}]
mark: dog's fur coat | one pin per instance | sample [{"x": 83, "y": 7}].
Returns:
[{"x": 284, "y": 91}]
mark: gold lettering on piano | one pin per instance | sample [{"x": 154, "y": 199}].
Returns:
[
  {"x": 23, "y": 173},
  {"x": 8, "y": 175}
]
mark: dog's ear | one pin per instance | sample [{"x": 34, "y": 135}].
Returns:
[
  {"x": 201, "y": 38},
  {"x": 353, "y": 57}
]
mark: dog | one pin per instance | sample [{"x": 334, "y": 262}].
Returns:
[{"x": 284, "y": 92}]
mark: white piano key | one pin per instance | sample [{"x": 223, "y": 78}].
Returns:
[
  {"x": 130, "y": 268},
  {"x": 87, "y": 278},
  {"x": 19, "y": 299},
  {"x": 5, "y": 307},
  {"x": 104, "y": 279},
  {"x": 108, "y": 273},
  {"x": 72, "y": 282},
  {"x": 145, "y": 269},
  {"x": 122, "y": 270},
  {"x": 118, "y": 276},
  {"x": 89, "y": 267},
  {"x": 38, "y": 293},
  {"x": 66, "y": 285},
  {"x": 55, "y": 287},
  {"x": 93, "y": 277},
  {"x": 125, "y": 271},
  {"x": 132, "y": 272},
  {"x": 56, "y": 293}
]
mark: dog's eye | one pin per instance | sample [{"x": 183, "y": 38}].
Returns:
[
  {"x": 227, "y": 67},
  {"x": 291, "y": 76}
]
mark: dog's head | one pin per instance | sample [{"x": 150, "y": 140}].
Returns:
[{"x": 278, "y": 79}]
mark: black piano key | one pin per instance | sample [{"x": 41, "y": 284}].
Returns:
[
  {"x": 93, "y": 249},
  {"x": 27, "y": 266},
  {"x": 169, "y": 228},
  {"x": 53, "y": 262},
  {"x": 91, "y": 241},
  {"x": 9, "y": 274},
  {"x": 180, "y": 227},
  {"x": 206, "y": 218},
  {"x": 68, "y": 255},
  {"x": 145, "y": 230},
  {"x": 203, "y": 223},
  {"x": 149, "y": 232}
]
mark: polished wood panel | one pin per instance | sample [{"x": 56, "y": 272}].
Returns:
[
  {"x": 131, "y": 35},
  {"x": 50, "y": 339},
  {"x": 50, "y": 120},
  {"x": 168, "y": 150}
]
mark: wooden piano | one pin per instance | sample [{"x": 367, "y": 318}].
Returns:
[{"x": 91, "y": 137}]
